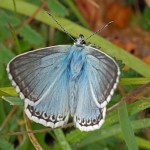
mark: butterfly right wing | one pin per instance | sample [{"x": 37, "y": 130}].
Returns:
[
  {"x": 35, "y": 72},
  {"x": 41, "y": 79}
]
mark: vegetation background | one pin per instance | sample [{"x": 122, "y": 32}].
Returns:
[{"x": 24, "y": 26}]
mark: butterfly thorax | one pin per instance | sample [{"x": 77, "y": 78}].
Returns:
[
  {"x": 77, "y": 57},
  {"x": 77, "y": 62}
]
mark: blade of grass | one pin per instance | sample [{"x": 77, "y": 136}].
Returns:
[
  {"x": 62, "y": 139},
  {"x": 15, "y": 38},
  {"x": 142, "y": 143},
  {"x": 76, "y": 12},
  {"x": 13, "y": 100},
  {"x": 126, "y": 128},
  {"x": 31, "y": 136},
  {"x": 15, "y": 9},
  {"x": 8, "y": 117},
  {"x": 111, "y": 131},
  {"x": 76, "y": 136},
  {"x": 74, "y": 29},
  {"x": 133, "y": 81},
  {"x": 9, "y": 91}
]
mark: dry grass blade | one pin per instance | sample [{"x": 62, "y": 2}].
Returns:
[
  {"x": 31, "y": 135},
  {"x": 8, "y": 117},
  {"x": 34, "y": 131},
  {"x": 28, "y": 20},
  {"x": 131, "y": 96}
]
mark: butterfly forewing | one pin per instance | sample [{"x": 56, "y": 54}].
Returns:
[{"x": 32, "y": 73}]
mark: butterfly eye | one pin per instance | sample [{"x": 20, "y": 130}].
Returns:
[{"x": 82, "y": 42}]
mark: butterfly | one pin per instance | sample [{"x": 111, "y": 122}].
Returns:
[{"x": 58, "y": 81}]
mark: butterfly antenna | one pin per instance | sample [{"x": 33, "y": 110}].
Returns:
[
  {"x": 99, "y": 30},
  {"x": 60, "y": 25}
]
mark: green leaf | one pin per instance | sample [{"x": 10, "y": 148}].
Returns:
[
  {"x": 111, "y": 131},
  {"x": 8, "y": 18},
  {"x": 4, "y": 144},
  {"x": 37, "y": 2},
  {"x": 74, "y": 29},
  {"x": 76, "y": 12},
  {"x": 143, "y": 143},
  {"x": 76, "y": 136},
  {"x": 145, "y": 19},
  {"x": 2, "y": 112},
  {"x": 8, "y": 91},
  {"x": 57, "y": 8},
  {"x": 26, "y": 144},
  {"x": 15, "y": 38},
  {"x": 31, "y": 35},
  {"x": 62, "y": 139},
  {"x": 5, "y": 54},
  {"x": 126, "y": 128},
  {"x": 13, "y": 100},
  {"x": 135, "y": 81},
  {"x": 4, "y": 33},
  {"x": 24, "y": 45}
]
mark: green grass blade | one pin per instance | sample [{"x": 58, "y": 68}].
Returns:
[
  {"x": 112, "y": 131},
  {"x": 126, "y": 128},
  {"x": 142, "y": 143},
  {"x": 74, "y": 29},
  {"x": 73, "y": 7},
  {"x": 13, "y": 100},
  {"x": 15, "y": 39},
  {"x": 14, "y": 3},
  {"x": 62, "y": 139},
  {"x": 8, "y": 91},
  {"x": 134, "y": 81},
  {"x": 76, "y": 136}
]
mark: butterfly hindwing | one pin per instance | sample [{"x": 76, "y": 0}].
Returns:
[
  {"x": 53, "y": 109},
  {"x": 88, "y": 115},
  {"x": 34, "y": 72},
  {"x": 96, "y": 85}
]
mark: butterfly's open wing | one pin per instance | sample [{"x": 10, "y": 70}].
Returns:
[
  {"x": 88, "y": 116},
  {"x": 96, "y": 85},
  {"x": 104, "y": 76},
  {"x": 38, "y": 77}
]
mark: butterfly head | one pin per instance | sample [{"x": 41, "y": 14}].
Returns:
[{"x": 80, "y": 42}]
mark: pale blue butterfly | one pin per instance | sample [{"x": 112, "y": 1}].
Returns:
[{"x": 57, "y": 81}]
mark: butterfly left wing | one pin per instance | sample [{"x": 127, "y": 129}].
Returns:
[
  {"x": 104, "y": 76},
  {"x": 96, "y": 85},
  {"x": 88, "y": 116}
]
